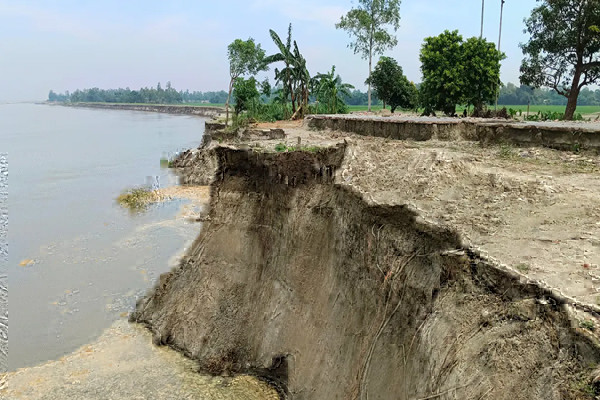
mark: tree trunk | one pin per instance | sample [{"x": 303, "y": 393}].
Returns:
[
  {"x": 227, "y": 103},
  {"x": 370, "y": 60},
  {"x": 573, "y": 95}
]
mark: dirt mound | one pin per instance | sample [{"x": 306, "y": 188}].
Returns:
[{"x": 316, "y": 272}]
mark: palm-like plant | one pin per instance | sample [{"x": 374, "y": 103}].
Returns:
[
  {"x": 330, "y": 88},
  {"x": 294, "y": 77}
]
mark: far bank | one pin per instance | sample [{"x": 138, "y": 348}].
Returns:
[{"x": 201, "y": 111}]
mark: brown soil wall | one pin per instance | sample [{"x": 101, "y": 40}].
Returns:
[
  {"x": 297, "y": 278},
  {"x": 563, "y": 137}
]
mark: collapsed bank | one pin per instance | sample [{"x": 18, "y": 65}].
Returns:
[{"x": 330, "y": 286}]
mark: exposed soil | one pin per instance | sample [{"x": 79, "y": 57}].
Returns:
[
  {"x": 390, "y": 269},
  {"x": 124, "y": 364}
]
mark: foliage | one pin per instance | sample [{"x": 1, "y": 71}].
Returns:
[
  {"x": 368, "y": 25},
  {"x": 563, "y": 51},
  {"x": 441, "y": 65},
  {"x": 551, "y": 116},
  {"x": 481, "y": 63},
  {"x": 136, "y": 199},
  {"x": 457, "y": 72},
  {"x": 523, "y": 95},
  {"x": 245, "y": 58},
  {"x": 587, "y": 324},
  {"x": 294, "y": 77},
  {"x": 156, "y": 95},
  {"x": 330, "y": 89},
  {"x": 244, "y": 94},
  {"x": 392, "y": 86}
]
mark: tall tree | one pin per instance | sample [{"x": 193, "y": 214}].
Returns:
[
  {"x": 245, "y": 58},
  {"x": 563, "y": 51},
  {"x": 294, "y": 77},
  {"x": 443, "y": 72},
  {"x": 331, "y": 89},
  {"x": 368, "y": 24},
  {"x": 481, "y": 63},
  {"x": 392, "y": 86}
]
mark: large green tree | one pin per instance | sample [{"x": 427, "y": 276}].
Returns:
[
  {"x": 245, "y": 58},
  {"x": 392, "y": 86},
  {"x": 481, "y": 65},
  {"x": 244, "y": 94},
  {"x": 443, "y": 72},
  {"x": 458, "y": 72},
  {"x": 563, "y": 52},
  {"x": 369, "y": 25}
]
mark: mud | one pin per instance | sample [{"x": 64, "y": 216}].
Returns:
[
  {"x": 123, "y": 364},
  {"x": 209, "y": 112},
  {"x": 362, "y": 271}
]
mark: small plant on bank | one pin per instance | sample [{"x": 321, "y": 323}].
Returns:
[
  {"x": 523, "y": 268},
  {"x": 136, "y": 199},
  {"x": 282, "y": 147},
  {"x": 506, "y": 151},
  {"x": 587, "y": 324}
]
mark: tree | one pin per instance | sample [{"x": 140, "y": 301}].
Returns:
[
  {"x": 295, "y": 77},
  {"x": 481, "y": 63},
  {"x": 458, "y": 72},
  {"x": 368, "y": 24},
  {"x": 330, "y": 89},
  {"x": 392, "y": 86},
  {"x": 245, "y": 57},
  {"x": 244, "y": 94},
  {"x": 442, "y": 68},
  {"x": 563, "y": 52}
]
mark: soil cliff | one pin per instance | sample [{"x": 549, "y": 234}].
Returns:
[{"x": 302, "y": 279}]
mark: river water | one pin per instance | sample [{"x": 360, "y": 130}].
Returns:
[{"x": 77, "y": 261}]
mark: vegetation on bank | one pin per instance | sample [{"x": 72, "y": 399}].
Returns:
[
  {"x": 137, "y": 199},
  {"x": 561, "y": 59}
]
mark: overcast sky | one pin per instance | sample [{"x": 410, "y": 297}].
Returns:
[{"x": 69, "y": 44}]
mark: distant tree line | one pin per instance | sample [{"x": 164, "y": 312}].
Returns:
[
  {"x": 521, "y": 95},
  {"x": 157, "y": 95}
]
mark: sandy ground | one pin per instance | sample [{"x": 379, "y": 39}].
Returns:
[
  {"x": 535, "y": 210},
  {"x": 124, "y": 364}
]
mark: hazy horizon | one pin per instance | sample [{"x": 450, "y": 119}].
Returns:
[{"x": 112, "y": 44}]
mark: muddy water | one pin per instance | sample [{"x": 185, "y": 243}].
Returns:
[{"x": 77, "y": 262}]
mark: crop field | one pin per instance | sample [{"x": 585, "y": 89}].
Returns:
[{"x": 533, "y": 109}]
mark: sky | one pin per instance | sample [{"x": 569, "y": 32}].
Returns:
[{"x": 70, "y": 44}]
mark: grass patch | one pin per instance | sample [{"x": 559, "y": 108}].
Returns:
[
  {"x": 136, "y": 199},
  {"x": 282, "y": 148},
  {"x": 587, "y": 324},
  {"x": 523, "y": 268},
  {"x": 506, "y": 151}
]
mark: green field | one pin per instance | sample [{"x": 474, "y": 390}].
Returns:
[{"x": 532, "y": 109}]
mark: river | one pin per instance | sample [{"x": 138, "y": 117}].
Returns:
[{"x": 77, "y": 261}]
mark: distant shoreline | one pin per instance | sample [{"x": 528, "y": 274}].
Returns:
[{"x": 201, "y": 111}]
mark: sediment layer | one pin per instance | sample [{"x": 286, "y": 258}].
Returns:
[{"x": 302, "y": 278}]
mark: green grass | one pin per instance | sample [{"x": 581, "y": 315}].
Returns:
[
  {"x": 282, "y": 147},
  {"x": 136, "y": 199},
  {"x": 364, "y": 108},
  {"x": 533, "y": 109}
]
